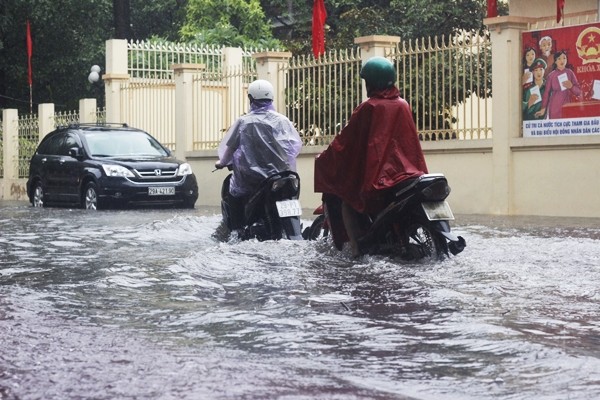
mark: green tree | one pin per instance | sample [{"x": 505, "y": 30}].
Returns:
[
  {"x": 68, "y": 38},
  {"x": 158, "y": 18},
  {"x": 239, "y": 23},
  {"x": 348, "y": 19}
]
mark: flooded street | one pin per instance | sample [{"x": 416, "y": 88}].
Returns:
[{"x": 148, "y": 304}]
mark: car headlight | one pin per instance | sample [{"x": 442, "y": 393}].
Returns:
[
  {"x": 184, "y": 169},
  {"x": 117, "y": 170}
]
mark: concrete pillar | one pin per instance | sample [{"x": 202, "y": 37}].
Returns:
[
  {"x": 375, "y": 46},
  {"x": 116, "y": 75},
  {"x": 270, "y": 65},
  {"x": 46, "y": 119},
  {"x": 87, "y": 111},
  {"x": 233, "y": 71},
  {"x": 184, "y": 111},
  {"x": 507, "y": 90},
  {"x": 10, "y": 150}
]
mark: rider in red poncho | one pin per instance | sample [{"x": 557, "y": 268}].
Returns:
[{"x": 378, "y": 149}]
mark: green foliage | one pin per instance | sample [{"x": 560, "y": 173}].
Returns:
[
  {"x": 348, "y": 19},
  {"x": 227, "y": 22},
  {"x": 157, "y": 18},
  {"x": 68, "y": 38}
]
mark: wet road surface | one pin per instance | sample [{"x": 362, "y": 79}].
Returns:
[{"x": 148, "y": 304}]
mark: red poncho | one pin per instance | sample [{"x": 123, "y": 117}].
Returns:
[{"x": 376, "y": 150}]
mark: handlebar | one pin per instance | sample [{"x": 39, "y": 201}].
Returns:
[{"x": 218, "y": 167}]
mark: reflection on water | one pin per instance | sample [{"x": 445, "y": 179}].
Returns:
[{"x": 148, "y": 304}]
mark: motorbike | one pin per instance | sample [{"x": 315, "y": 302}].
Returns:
[
  {"x": 271, "y": 213},
  {"x": 414, "y": 225}
]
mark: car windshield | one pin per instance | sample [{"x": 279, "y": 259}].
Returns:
[{"x": 123, "y": 143}]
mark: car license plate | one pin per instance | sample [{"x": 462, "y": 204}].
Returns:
[
  {"x": 161, "y": 191},
  {"x": 437, "y": 210},
  {"x": 288, "y": 208}
]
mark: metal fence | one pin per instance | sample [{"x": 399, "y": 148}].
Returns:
[
  {"x": 153, "y": 60},
  {"x": 64, "y": 118},
  {"x": 219, "y": 98},
  {"x": 150, "y": 105},
  {"x": 28, "y": 134},
  {"x": 101, "y": 115},
  {"x": 322, "y": 93},
  {"x": 448, "y": 82}
]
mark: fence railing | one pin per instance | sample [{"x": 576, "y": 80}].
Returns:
[
  {"x": 65, "y": 118},
  {"x": 219, "y": 98},
  {"x": 153, "y": 60},
  {"x": 28, "y": 141},
  {"x": 101, "y": 115},
  {"x": 448, "y": 82},
  {"x": 150, "y": 105},
  {"x": 321, "y": 94},
  {"x": 28, "y": 136}
]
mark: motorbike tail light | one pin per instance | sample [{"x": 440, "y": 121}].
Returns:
[
  {"x": 281, "y": 183},
  {"x": 437, "y": 191}
]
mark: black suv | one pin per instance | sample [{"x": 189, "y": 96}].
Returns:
[{"x": 94, "y": 166}]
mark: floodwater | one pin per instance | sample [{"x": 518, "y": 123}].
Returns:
[{"x": 148, "y": 304}]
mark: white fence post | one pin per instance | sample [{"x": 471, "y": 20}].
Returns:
[
  {"x": 116, "y": 75},
  {"x": 272, "y": 66},
  {"x": 87, "y": 111},
  {"x": 10, "y": 137},
  {"x": 46, "y": 119},
  {"x": 375, "y": 46},
  {"x": 184, "y": 111}
]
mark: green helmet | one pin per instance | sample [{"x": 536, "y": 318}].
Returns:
[{"x": 378, "y": 72}]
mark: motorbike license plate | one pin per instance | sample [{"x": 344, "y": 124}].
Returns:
[
  {"x": 161, "y": 191},
  {"x": 437, "y": 210},
  {"x": 288, "y": 208}
]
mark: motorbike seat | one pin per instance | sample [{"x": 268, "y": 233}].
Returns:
[{"x": 408, "y": 184}]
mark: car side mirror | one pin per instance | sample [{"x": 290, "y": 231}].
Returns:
[{"x": 75, "y": 152}]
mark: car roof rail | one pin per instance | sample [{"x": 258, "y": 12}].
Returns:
[{"x": 95, "y": 125}]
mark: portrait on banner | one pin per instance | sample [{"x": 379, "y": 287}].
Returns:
[{"x": 561, "y": 81}]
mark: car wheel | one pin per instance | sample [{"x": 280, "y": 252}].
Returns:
[
  {"x": 38, "y": 195},
  {"x": 90, "y": 200},
  {"x": 189, "y": 203}
]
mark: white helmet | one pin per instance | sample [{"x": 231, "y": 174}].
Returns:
[{"x": 260, "y": 89}]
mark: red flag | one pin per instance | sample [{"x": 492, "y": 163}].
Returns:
[
  {"x": 29, "y": 52},
  {"x": 560, "y": 10},
  {"x": 318, "y": 27},
  {"x": 492, "y": 8}
]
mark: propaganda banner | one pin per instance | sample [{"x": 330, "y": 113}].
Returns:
[{"x": 561, "y": 81}]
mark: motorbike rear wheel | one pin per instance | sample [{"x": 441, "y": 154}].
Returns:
[
  {"x": 316, "y": 230},
  {"x": 423, "y": 242}
]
